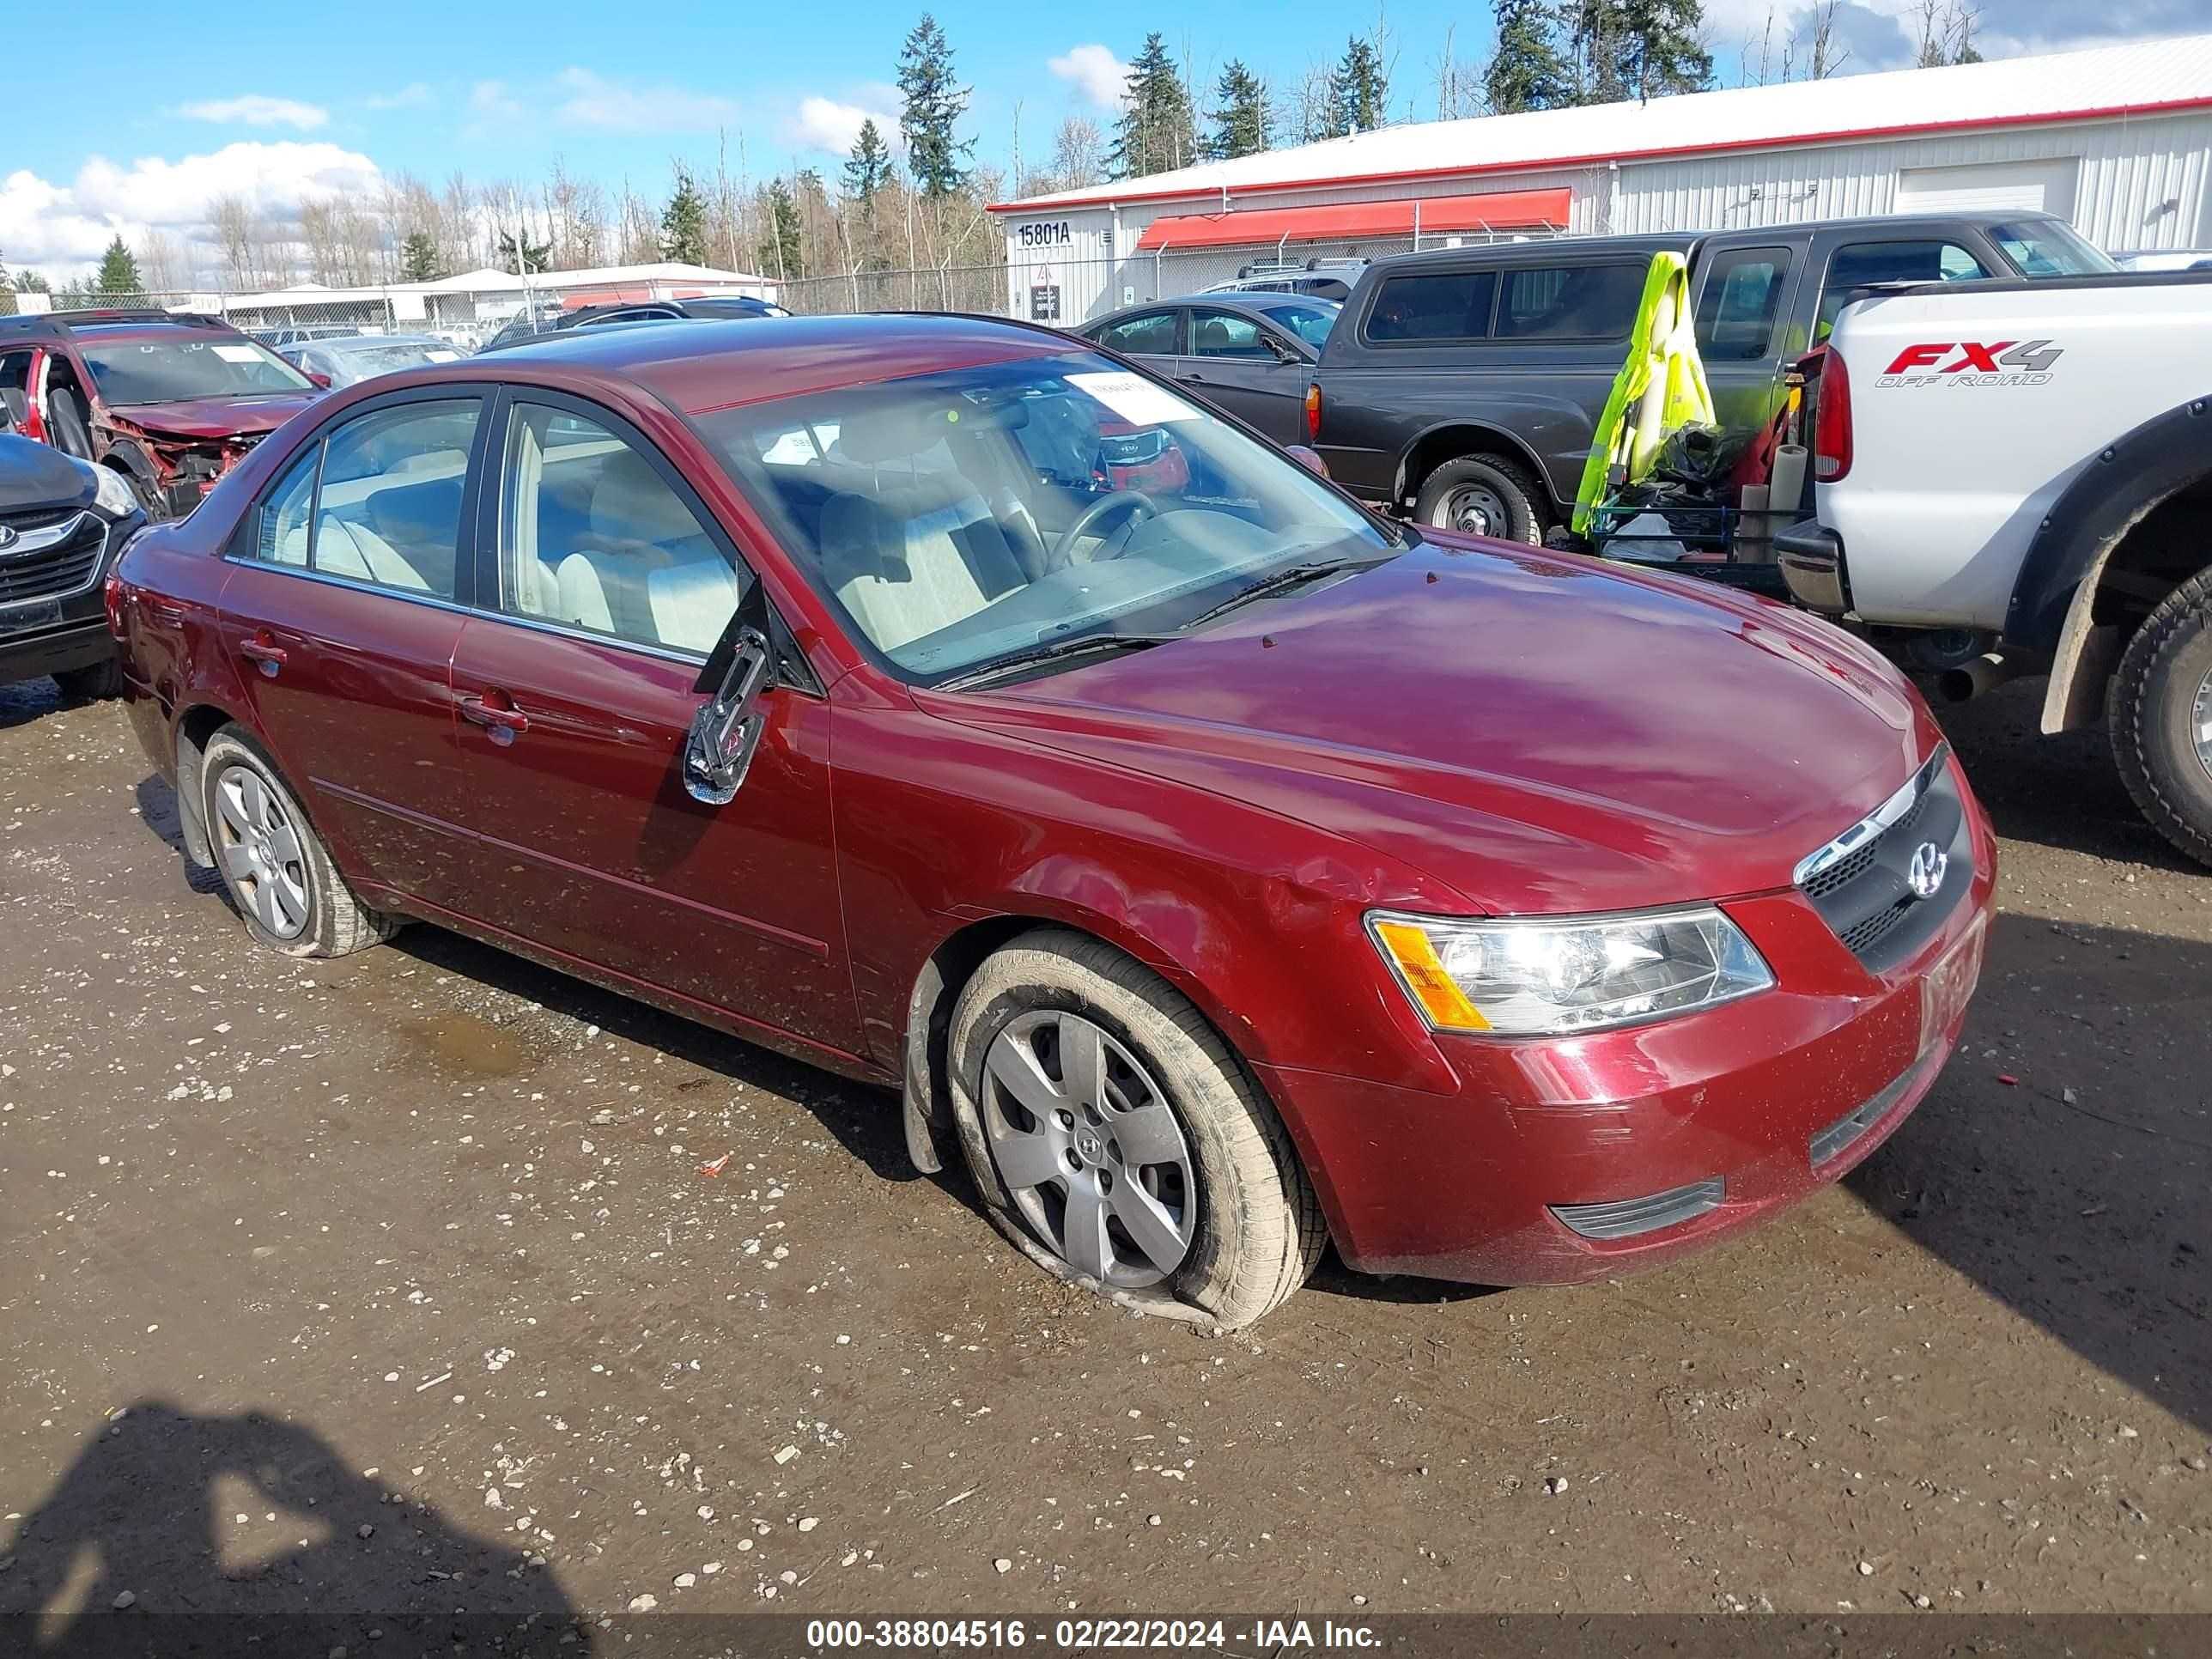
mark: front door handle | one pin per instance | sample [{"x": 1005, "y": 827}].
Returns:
[
  {"x": 263, "y": 653},
  {"x": 505, "y": 722}
]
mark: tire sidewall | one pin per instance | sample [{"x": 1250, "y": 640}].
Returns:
[
  {"x": 229, "y": 748},
  {"x": 1021, "y": 980},
  {"x": 2161, "y": 746},
  {"x": 1525, "y": 523}
]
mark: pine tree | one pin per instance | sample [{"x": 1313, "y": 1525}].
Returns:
[
  {"x": 1240, "y": 115},
  {"x": 418, "y": 258},
  {"x": 684, "y": 223},
  {"x": 869, "y": 166},
  {"x": 118, "y": 271},
  {"x": 1158, "y": 131},
  {"x": 780, "y": 250},
  {"x": 934, "y": 102},
  {"x": 1359, "y": 91},
  {"x": 1527, "y": 72},
  {"x": 1638, "y": 49},
  {"x": 30, "y": 281},
  {"x": 518, "y": 253}
]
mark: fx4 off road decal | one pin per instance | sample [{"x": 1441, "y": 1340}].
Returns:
[{"x": 1967, "y": 362}]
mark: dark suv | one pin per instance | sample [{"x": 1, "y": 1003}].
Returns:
[
  {"x": 62, "y": 523},
  {"x": 170, "y": 401},
  {"x": 712, "y": 307}
]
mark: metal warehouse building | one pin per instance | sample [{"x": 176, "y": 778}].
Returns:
[{"x": 2117, "y": 139}]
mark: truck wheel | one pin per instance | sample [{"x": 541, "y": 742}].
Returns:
[
  {"x": 1119, "y": 1142},
  {"x": 279, "y": 874},
  {"x": 1482, "y": 496},
  {"x": 95, "y": 683},
  {"x": 2161, "y": 718}
]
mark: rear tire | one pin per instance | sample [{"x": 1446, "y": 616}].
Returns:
[
  {"x": 1202, "y": 1212},
  {"x": 279, "y": 874},
  {"x": 2160, "y": 712},
  {"x": 1482, "y": 496}
]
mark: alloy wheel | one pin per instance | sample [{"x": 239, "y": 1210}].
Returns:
[
  {"x": 1089, "y": 1148},
  {"x": 259, "y": 850},
  {"x": 2200, "y": 725}
]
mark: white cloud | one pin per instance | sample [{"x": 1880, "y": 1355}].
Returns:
[
  {"x": 592, "y": 100},
  {"x": 1097, "y": 72},
  {"x": 60, "y": 229},
  {"x": 413, "y": 95},
  {"x": 489, "y": 101},
  {"x": 257, "y": 110},
  {"x": 826, "y": 124}
]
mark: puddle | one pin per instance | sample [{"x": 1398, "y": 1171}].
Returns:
[{"x": 467, "y": 1045}]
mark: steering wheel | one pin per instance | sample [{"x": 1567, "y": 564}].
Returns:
[{"x": 1141, "y": 506}]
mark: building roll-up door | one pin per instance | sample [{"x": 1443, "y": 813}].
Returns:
[{"x": 2022, "y": 186}]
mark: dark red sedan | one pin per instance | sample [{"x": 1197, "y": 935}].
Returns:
[{"x": 1222, "y": 871}]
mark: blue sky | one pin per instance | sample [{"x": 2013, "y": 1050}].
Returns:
[{"x": 281, "y": 103}]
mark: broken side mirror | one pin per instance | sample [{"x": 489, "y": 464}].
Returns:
[{"x": 718, "y": 750}]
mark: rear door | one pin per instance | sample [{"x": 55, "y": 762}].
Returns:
[
  {"x": 351, "y": 575},
  {"x": 1229, "y": 362},
  {"x": 1153, "y": 338},
  {"x": 605, "y": 584},
  {"x": 1745, "y": 301}
]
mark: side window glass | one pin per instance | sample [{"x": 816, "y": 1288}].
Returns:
[
  {"x": 1150, "y": 336},
  {"x": 1224, "y": 334},
  {"x": 283, "y": 538},
  {"x": 591, "y": 537},
  {"x": 1448, "y": 305},
  {"x": 1570, "y": 302},
  {"x": 1740, "y": 304},
  {"x": 1862, "y": 263},
  {"x": 389, "y": 508}
]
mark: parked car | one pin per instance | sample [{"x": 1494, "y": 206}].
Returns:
[
  {"x": 1318, "y": 279},
  {"x": 1219, "y": 874},
  {"x": 342, "y": 363},
  {"x": 62, "y": 523},
  {"x": 2164, "y": 258},
  {"x": 277, "y": 337},
  {"x": 1465, "y": 385},
  {"x": 169, "y": 400},
  {"x": 2012, "y": 478},
  {"x": 1250, "y": 353},
  {"x": 719, "y": 307}
]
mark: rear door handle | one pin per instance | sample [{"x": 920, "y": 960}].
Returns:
[
  {"x": 505, "y": 724},
  {"x": 263, "y": 653}
]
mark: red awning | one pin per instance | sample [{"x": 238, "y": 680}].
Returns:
[{"x": 1345, "y": 222}]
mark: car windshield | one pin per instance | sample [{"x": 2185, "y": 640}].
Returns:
[
  {"x": 982, "y": 515},
  {"x": 350, "y": 362},
  {"x": 2047, "y": 248},
  {"x": 1310, "y": 319},
  {"x": 167, "y": 369}
]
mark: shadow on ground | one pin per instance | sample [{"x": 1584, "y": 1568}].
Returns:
[{"x": 149, "y": 1542}]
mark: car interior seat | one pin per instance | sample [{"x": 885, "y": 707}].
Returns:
[{"x": 65, "y": 423}]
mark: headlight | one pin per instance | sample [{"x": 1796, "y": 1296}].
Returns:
[
  {"x": 1544, "y": 978},
  {"x": 114, "y": 497}
]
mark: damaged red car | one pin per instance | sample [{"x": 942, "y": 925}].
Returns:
[
  {"x": 170, "y": 400},
  {"x": 1220, "y": 870}
]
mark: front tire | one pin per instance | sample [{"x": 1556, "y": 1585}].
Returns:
[
  {"x": 1482, "y": 496},
  {"x": 95, "y": 683},
  {"x": 2160, "y": 712},
  {"x": 1118, "y": 1141},
  {"x": 279, "y": 873}
]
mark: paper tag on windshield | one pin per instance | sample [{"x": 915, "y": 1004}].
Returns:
[
  {"x": 443, "y": 356},
  {"x": 1136, "y": 399},
  {"x": 236, "y": 354}
]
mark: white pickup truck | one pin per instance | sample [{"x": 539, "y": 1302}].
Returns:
[{"x": 2021, "y": 474}]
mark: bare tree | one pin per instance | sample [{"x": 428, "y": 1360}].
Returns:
[
  {"x": 1078, "y": 153},
  {"x": 1460, "y": 84},
  {"x": 1304, "y": 106},
  {"x": 162, "y": 263},
  {"x": 1829, "y": 54}
]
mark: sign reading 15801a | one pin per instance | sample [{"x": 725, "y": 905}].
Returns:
[{"x": 1051, "y": 233}]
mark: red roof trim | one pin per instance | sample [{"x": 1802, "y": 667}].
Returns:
[
  {"x": 1844, "y": 135},
  {"x": 1498, "y": 209}
]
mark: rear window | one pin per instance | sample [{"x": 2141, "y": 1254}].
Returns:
[
  {"x": 1570, "y": 302},
  {"x": 1451, "y": 305},
  {"x": 1740, "y": 303}
]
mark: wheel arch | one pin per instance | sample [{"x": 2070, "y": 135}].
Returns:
[
  {"x": 2110, "y": 548},
  {"x": 1455, "y": 440},
  {"x": 196, "y": 726}
]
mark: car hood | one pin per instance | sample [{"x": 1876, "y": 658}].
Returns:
[
  {"x": 1543, "y": 734},
  {"x": 34, "y": 474},
  {"x": 203, "y": 418}
]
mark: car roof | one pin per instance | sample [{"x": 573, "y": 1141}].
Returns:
[{"x": 704, "y": 364}]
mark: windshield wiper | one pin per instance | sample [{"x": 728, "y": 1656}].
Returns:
[
  {"x": 1048, "y": 652},
  {"x": 1295, "y": 575}
]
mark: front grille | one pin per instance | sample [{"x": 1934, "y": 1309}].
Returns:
[
  {"x": 1629, "y": 1218},
  {"x": 1861, "y": 882},
  {"x": 61, "y": 567}
]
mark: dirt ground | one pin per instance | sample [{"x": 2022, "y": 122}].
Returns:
[{"x": 394, "y": 1284}]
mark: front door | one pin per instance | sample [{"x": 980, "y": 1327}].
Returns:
[
  {"x": 1230, "y": 364},
  {"x": 343, "y": 606},
  {"x": 576, "y": 684}
]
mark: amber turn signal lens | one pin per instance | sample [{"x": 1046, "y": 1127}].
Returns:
[{"x": 1437, "y": 993}]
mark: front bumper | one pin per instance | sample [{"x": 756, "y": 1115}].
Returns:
[{"x": 1572, "y": 1159}]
